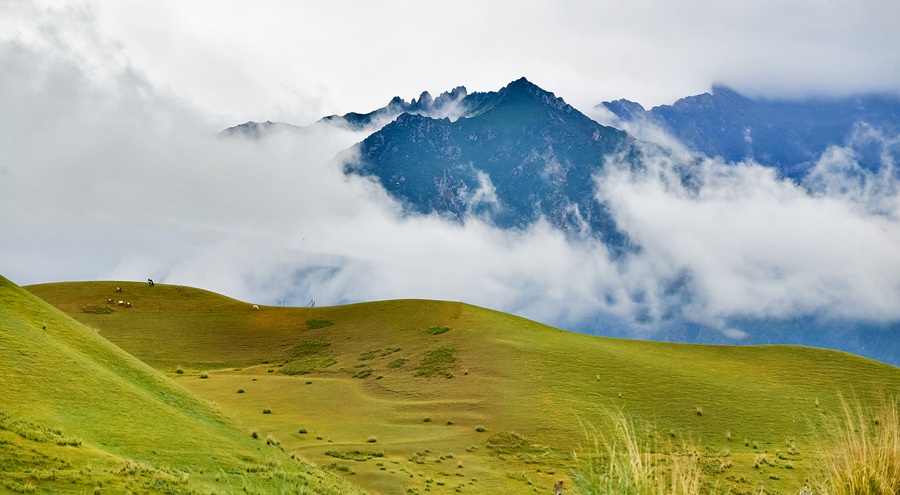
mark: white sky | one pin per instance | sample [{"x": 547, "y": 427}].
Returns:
[
  {"x": 297, "y": 60},
  {"x": 110, "y": 167}
]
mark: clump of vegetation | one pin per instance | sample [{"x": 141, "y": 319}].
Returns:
[
  {"x": 480, "y": 429},
  {"x": 372, "y": 439},
  {"x": 437, "y": 362},
  {"x": 307, "y": 357},
  {"x": 204, "y": 376},
  {"x": 437, "y": 330},
  {"x": 302, "y": 431},
  {"x": 97, "y": 309},
  {"x": 506, "y": 442},
  {"x": 267, "y": 411},
  {"x": 240, "y": 390},
  {"x": 363, "y": 373},
  {"x": 179, "y": 370},
  {"x": 354, "y": 455},
  {"x": 367, "y": 355},
  {"x": 313, "y": 324},
  {"x": 427, "y": 420},
  {"x": 396, "y": 363},
  {"x": 866, "y": 460}
]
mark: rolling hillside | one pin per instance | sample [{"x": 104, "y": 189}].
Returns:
[
  {"x": 443, "y": 397},
  {"x": 79, "y": 415}
]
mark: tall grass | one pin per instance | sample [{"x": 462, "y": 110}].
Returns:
[
  {"x": 863, "y": 457},
  {"x": 623, "y": 464}
]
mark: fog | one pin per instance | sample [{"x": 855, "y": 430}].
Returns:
[{"x": 106, "y": 175}]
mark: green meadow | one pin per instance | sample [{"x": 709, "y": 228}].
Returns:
[{"x": 412, "y": 396}]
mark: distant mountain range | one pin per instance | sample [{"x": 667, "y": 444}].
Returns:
[
  {"x": 789, "y": 135},
  {"x": 521, "y": 154}
]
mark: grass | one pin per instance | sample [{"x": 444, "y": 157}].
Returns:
[
  {"x": 79, "y": 413},
  {"x": 522, "y": 377},
  {"x": 864, "y": 455},
  {"x": 626, "y": 461}
]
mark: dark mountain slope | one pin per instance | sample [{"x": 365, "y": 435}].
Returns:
[{"x": 518, "y": 154}]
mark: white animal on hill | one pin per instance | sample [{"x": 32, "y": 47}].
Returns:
[
  {"x": 255, "y": 307},
  {"x": 128, "y": 304},
  {"x": 121, "y": 303}
]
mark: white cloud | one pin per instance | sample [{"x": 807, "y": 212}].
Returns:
[
  {"x": 298, "y": 61},
  {"x": 105, "y": 175}
]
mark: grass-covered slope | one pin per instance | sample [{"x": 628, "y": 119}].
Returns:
[
  {"x": 79, "y": 415},
  {"x": 415, "y": 396}
]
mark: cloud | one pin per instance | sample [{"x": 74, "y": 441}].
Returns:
[
  {"x": 302, "y": 60},
  {"x": 103, "y": 174},
  {"x": 742, "y": 242}
]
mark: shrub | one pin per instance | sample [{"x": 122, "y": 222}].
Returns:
[
  {"x": 367, "y": 355},
  {"x": 372, "y": 440},
  {"x": 313, "y": 324},
  {"x": 396, "y": 363},
  {"x": 427, "y": 420},
  {"x": 479, "y": 429},
  {"x": 240, "y": 390},
  {"x": 302, "y": 431},
  {"x": 96, "y": 309},
  {"x": 437, "y": 330},
  {"x": 203, "y": 376},
  {"x": 267, "y": 411},
  {"x": 179, "y": 370},
  {"x": 363, "y": 373},
  {"x": 437, "y": 361}
]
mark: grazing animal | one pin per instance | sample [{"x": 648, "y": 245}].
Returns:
[
  {"x": 558, "y": 487},
  {"x": 128, "y": 304},
  {"x": 150, "y": 282},
  {"x": 121, "y": 303},
  {"x": 109, "y": 300},
  {"x": 178, "y": 287},
  {"x": 118, "y": 289},
  {"x": 255, "y": 307}
]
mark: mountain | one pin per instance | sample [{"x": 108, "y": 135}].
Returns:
[
  {"x": 415, "y": 396},
  {"x": 512, "y": 157},
  {"x": 789, "y": 135},
  {"x": 445, "y": 105},
  {"x": 80, "y": 415}
]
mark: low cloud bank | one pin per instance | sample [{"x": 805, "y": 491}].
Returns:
[{"x": 103, "y": 176}]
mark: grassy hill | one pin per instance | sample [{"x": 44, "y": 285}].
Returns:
[
  {"x": 442, "y": 397},
  {"x": 79, "y": 415}
]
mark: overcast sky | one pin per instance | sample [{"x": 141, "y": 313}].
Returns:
[
  {"x": 298, "y": 60},
  {"x": 110, "y": 167}
]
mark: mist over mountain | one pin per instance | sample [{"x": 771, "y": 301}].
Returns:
[
  {"x": 778, "y": 225},
  {"x": 447, "y": 105},
  {"x": 787, "y": 135}
]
